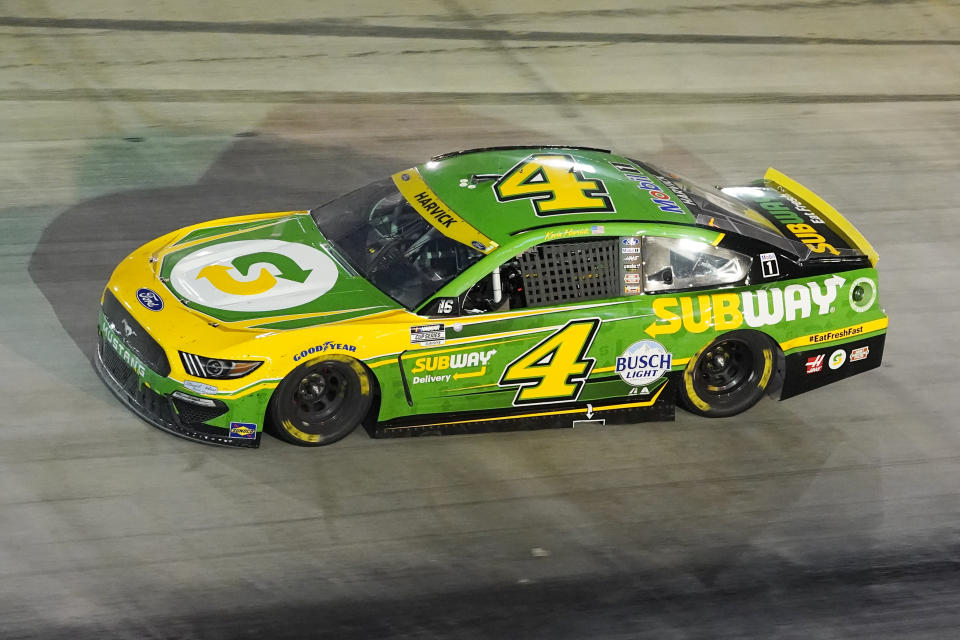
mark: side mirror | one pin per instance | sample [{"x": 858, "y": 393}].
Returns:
[{"x": 665, "y": 276}]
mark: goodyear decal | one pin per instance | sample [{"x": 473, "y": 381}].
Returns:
[
  {"x": 425, "y": 202},
  {"x": 329, "y": 345}
]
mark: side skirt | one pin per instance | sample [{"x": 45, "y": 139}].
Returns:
[{"x": 658, "y": 406}]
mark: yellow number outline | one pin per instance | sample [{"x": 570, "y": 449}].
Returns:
[
  {"x": 567, "y": 378},
  {"x": 511, "y": 187}
]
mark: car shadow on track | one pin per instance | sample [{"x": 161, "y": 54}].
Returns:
[
  {"x": 276, "y": 168},
  {"x": 79, "y": 249}
]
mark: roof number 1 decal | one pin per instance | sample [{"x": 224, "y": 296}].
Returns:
[{"x": 554, "y": 183}]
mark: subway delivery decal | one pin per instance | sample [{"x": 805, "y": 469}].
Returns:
[
  {"x": 728, "y": 311},
  {"x": 453, "y": 361},
  {"x": 470, "y": 361}
]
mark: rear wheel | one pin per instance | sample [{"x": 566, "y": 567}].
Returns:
[
  {"x": 729, "y": 375},
  {"x": 321, "y": 401}
]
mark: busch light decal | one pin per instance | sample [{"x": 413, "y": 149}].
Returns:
[
  {"x": 150, "y": 299},
  {"x": 643, "y": 363}
]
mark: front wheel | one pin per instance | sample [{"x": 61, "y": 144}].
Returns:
[
  {"x": 729, "y": 375},
  {"x": 321, "y": 401}
]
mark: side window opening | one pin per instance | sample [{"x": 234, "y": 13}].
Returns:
[
  {"x": 548, "y": 274},
  {"x": 501, "y": 290},
  {"x": 671, "y": 264},
  {"x": 568, "y": 271}
]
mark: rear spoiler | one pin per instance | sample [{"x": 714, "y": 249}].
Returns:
[{"x": 833, "y": 218}]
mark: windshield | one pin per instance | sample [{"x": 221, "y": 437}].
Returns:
[{"x": 390, "y": 244}]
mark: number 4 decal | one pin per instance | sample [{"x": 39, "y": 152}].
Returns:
[
  {"x": 554, "y": 184},
  {"x": 556, "y": 368}
]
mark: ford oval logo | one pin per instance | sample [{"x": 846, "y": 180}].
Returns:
[{"x": 150, "y": 299}]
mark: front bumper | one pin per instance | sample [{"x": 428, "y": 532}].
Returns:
[{"x": 175, "y": 416}]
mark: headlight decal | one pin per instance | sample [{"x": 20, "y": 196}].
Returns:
[
  {"x": 216, "y": 368},
  {"x": 192, "y": 364}
]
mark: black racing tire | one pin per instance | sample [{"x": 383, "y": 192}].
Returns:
[
  {"x": 321, "y": 401},
  {"x": 729, "y": 375}
]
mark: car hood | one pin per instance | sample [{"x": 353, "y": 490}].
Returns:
[{"x": 272, "y": 270}]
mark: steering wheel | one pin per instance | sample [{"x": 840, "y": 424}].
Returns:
[
  {"x": 384, "y": 214},
  {"x": 479, "y": 297}
]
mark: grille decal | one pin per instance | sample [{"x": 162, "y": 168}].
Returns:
[{"x": 133, "y": 336}]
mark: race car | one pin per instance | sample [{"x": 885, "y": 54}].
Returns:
[{"x": 487, "y": 290}]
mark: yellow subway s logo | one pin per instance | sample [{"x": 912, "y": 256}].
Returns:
[
  {"x": 728, "y": 311},
  {"x": 253, "y": 275},
  {"x": 220, "y": 276}
]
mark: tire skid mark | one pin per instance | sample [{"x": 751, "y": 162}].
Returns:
[
  {"x": 339, "y": 29},
  {"x": 458, "y": 97}
]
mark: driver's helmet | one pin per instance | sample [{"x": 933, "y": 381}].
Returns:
[{"x": 386, "y": 218}]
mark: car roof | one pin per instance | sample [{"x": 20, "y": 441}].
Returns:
[{"x": 466, "y": 181}]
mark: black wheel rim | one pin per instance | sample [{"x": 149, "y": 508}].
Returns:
[
  {"x": 320, "y": 393},
  {"x": 724, "y": 367}
]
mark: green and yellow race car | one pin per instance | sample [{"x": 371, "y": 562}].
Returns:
[{"x": 492, "y": 289}]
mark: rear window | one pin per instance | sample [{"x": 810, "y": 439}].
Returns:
[{"x": 718, "y": 210}]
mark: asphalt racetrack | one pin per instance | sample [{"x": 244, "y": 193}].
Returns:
[{"x": 835, "y": 514}]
